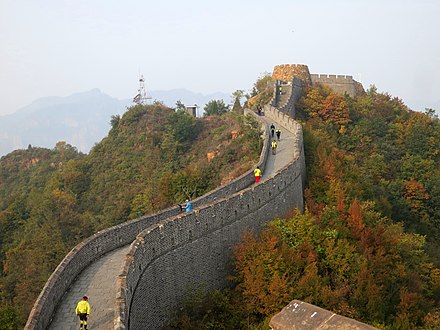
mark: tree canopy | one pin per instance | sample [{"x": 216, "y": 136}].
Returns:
[{"x": 215, "y": 107}]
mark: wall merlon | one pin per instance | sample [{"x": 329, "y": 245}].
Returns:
[{"x": 332, "y": 77}]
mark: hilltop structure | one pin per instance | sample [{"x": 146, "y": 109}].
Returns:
[
  {"x": 141, "y": 97},
  {"x": 291, "y": 79},
  {"x": 192, "y": 109},
  {"x": 339, "y": 83}
]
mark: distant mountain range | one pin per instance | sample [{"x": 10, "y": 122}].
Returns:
[{"x": 81, "y": 119}]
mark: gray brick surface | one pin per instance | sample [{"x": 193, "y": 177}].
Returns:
[{"x": 98, "y": 283}]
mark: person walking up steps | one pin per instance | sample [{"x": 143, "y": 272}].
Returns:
[
  {"x": 83, "y": 310},
  {"x": 278, "y": 133},
  {"x": 274, "y": 147}
]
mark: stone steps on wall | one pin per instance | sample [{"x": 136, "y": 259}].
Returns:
[{"x": 284, "y": 98}]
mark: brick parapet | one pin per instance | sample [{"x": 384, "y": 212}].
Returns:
[
  {"x": 80, "y": 257},
  {"x": 339, "y": 83},
  {"x": 332, "y": 78},
  {"x": 112, "y": 238},
  {"x": 294, "y": 90}
]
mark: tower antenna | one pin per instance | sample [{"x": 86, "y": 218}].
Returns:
[{"x": 141, "y": 97}]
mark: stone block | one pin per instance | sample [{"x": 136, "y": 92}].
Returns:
[{"x": 299, "y": 315}]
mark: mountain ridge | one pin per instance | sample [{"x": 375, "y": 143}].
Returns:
[{"x": 81, "y": 119}]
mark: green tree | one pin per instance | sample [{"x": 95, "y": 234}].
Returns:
[
  {"x": 215, "y": 107},
  {"x": 183, "y": 127},
  {"x": 237, "y": 106},
  {"x": 239, "y": 93},
  {"x": 431, "y": 113},
  {"x": 114, "y": 121},
  {"x": 180, "y": 106},
  {"x": 263, "y": 83}
]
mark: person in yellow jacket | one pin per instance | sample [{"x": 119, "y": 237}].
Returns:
[
  {"x": 257, "y": 173},
  {"x": 83, "y": 310},
  {"x": 274, "y": 147}
]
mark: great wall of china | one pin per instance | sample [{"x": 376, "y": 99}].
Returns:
[{"x": 171, "y": 253}]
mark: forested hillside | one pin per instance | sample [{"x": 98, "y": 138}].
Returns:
[
  {"x": 152, "y": 158},
  {"x": 367, "y": 246}
]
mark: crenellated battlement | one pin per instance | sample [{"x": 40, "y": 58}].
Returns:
[
  {"x": 339, "y": 83},
  {"x": 286, "y": 72},
  {"x": 343, "y": 79}
]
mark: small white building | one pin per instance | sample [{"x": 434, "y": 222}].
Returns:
[{"x": 192, "y": 109}]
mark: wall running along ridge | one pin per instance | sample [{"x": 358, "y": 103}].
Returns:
[
  {"x": 192, "y": 252},
  {"x": 339, "y": 83},
  {"x": 175, "y": 253},
  {"x": 115, "y": 237}
]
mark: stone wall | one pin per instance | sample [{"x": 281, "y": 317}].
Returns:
[
  {"x": 193, "y": 251},
  {"x": 301, "y": 315},
  {"x": 293, "y": 89},
  {"x": 339, "y": 83},
  {"x": 112, "y": 238}
]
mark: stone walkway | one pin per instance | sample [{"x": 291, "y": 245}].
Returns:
[
  {"x": 285, "y": 151},
  {"x": 99, "y": 279},
  {"x": 98, "y": 282}
]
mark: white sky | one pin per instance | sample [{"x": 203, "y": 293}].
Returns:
[{"x": 60, "y": 47}]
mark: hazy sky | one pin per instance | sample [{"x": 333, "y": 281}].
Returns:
[{"x": 60, "y": 47}]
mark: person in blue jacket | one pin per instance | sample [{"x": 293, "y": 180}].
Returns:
[{"x": 188, "y": 206}]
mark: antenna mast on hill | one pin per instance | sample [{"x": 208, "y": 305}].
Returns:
[{"x": 141, "y": 97}]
